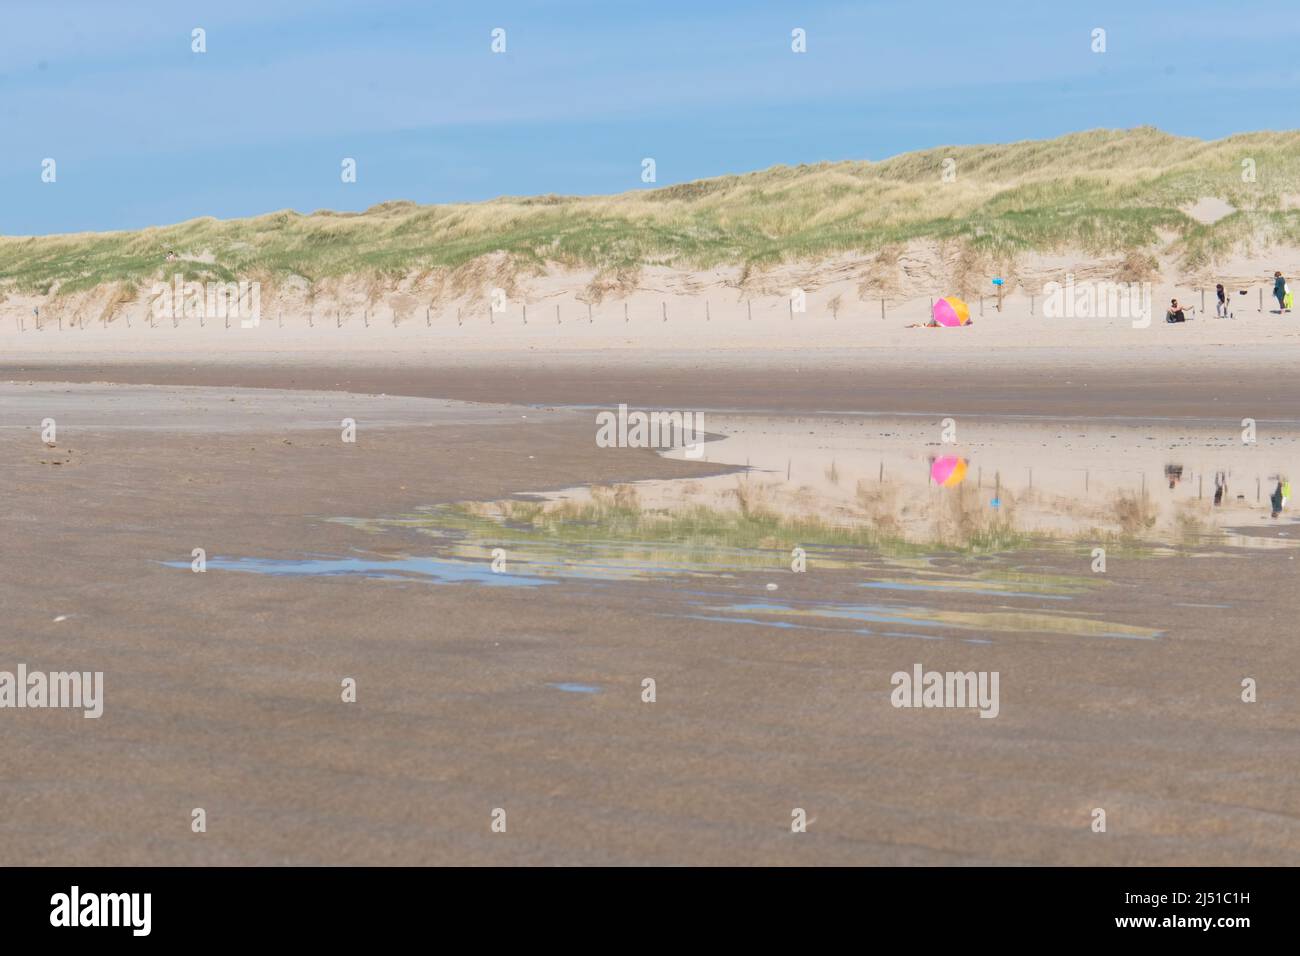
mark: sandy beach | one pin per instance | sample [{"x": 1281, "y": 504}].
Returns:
[
  {"x": 523, "y": 690},
  {"x": 861, "y": 437}
]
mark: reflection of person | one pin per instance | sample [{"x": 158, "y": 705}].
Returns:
[
  {"x": 1277, "y": 499},
  {"x": 1220, "y": 487},
  {"x": 1175, "y": 474}
]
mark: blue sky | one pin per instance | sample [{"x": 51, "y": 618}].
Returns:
[{"x": 146, "y": 132}]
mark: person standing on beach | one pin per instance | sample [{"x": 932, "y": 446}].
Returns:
[
  {"x": 1279, "y": 291},
  {"x": 1221, "y": 306},
  {"x": 1278, "y": 499}
]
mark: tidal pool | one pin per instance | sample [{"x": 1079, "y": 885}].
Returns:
[{"x": 926, "y": 513}]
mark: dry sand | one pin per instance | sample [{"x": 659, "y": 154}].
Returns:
[{"x": 694, "y": 323}]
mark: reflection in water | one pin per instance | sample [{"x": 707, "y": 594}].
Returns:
[
  {"x": 997, "y": 481},
  {"x": 927, "y": 525},
  {"x": 948, "y": 470}
]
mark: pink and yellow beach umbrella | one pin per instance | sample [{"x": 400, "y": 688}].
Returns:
[
  {"x": 951, "y": 311},
  {"x": 948, "y": 471}
]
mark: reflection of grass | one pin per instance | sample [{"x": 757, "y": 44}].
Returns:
[
  {"x": 963, "y": 523},
  {"x": 616, "y": 514}
]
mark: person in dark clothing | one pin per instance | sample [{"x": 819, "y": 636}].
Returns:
[
  {"x": 1175, "y": 313},
  {"x": 1221, "y": 306},
  {"x": 1276, "y": 500},
  {"x": 1279, "y": 291}
]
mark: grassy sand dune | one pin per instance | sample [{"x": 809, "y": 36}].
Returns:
[{"x": 1103, "y": 192}]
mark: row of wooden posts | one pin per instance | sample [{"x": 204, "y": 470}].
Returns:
[
  {"x": 1087, "y": 478},
  {"x": 80, "y": 321}
]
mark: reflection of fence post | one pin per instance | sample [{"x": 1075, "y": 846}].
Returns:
[
  {"x": 749, "y": 310},
  {"x": 1200, "y": 479},
  {"x": 882, "y": 308},
  {"x": 707, "y": 317},
  {"x": 625, "y": 312},
  {"x": 1031, "y": 304}
]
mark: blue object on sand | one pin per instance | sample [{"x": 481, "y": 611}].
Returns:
[{"x": 996, "y": 503}]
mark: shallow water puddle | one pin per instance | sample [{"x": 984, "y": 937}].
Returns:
[
  {"x": 1000, "y": 621},
  {"x": 963, "y": 587},
  {"x": 572, "y": 688},
  {"x": 887, "y": 504},
  {"x": 988, "y": 484},
  {"x": 434, "y": 570}
]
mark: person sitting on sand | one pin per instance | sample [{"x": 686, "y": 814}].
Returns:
[
  {"x": 1279, "y": 291},
  {"x": 1176, "y": 312}
]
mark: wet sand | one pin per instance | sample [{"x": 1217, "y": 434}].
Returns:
[
  {"x": 223, "y": 689},
  {"x": 1133, "y": 382}
]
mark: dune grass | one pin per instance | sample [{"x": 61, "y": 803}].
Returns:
[{"x": 1101, "y": 191}]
